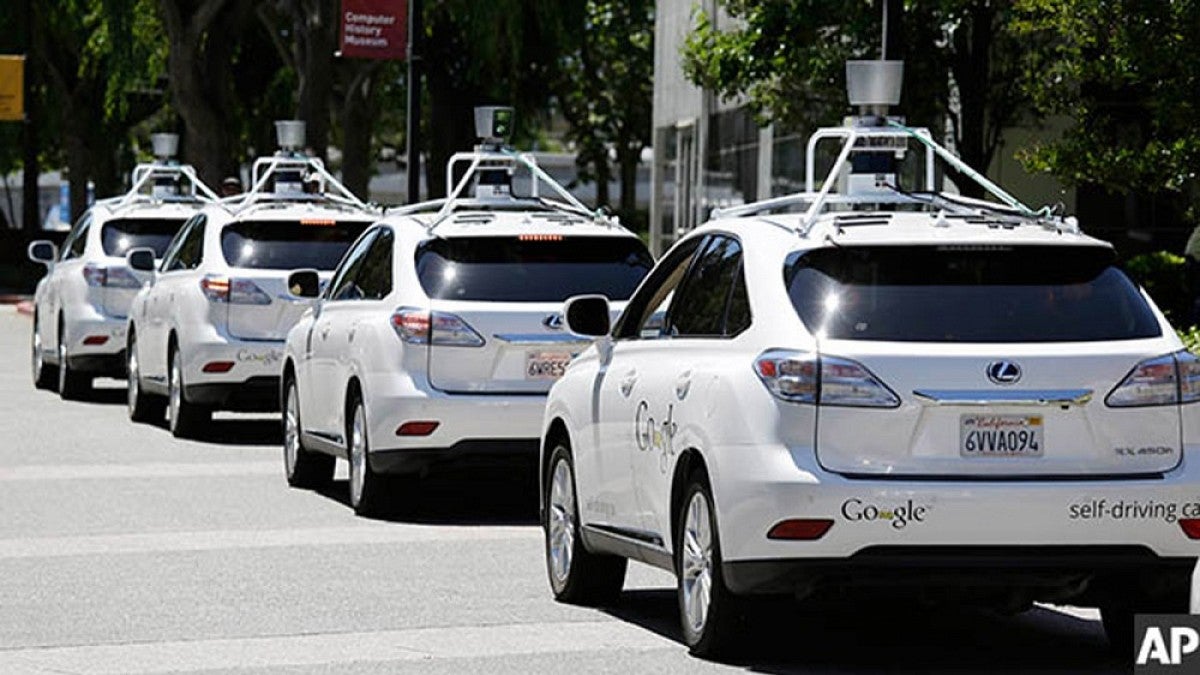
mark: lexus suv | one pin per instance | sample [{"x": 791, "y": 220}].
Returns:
[
  {"x": 440, "y": 333},
  {"x": 207, "y": 332},
  {"x": 81, "y": 305},
  {"x": 878, "y": 388}
]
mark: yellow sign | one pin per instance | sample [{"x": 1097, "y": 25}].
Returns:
[{"x": 12, "y": 88}]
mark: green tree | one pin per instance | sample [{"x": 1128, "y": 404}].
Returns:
[
  {"x": 497, "y": 52},
  {"x": 962, "y": 61},
  {"x": 1127, "y": 73},
  {"x": 605, "y": 91}
]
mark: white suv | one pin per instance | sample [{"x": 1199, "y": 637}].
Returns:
[
  {"x": 207, "y": 333},
  {"x": 80, "y": 306},
  {"x": 440, "y": 334},
  {"x": 906, "y": 390}
]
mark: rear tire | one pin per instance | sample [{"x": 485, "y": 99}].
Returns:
[
  {"x": 710, "y": 614},
  {"x": 143, "y": 406},
  {"x": 72, "y": 385},
  {"x": 367, "y": 488},
  {"x": 304, "y": 469},
  {"x": 577, "y": 576},
  {"x": 184, "y": 419},
  {"x": 44, "y": 375}
]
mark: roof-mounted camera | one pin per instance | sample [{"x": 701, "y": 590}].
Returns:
[{"x": 494, "y": 125}]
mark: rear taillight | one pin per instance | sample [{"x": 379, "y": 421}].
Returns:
[
  {"x": 110, "y": 277},
  {"x": 801, "y": 529},
  {"x": 233, "y": 291},
  {"x": 95, "y": 275},
  {"x": 802, "y": 377},
  {"x": 417, "y": 326},
  {"x": 1163, "y": 380}
]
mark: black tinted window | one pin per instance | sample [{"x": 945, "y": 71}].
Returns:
[
  {"x": 967, "y": 294},
  {"x": 343, "y": 287},
  {"x": 76, "y": 242},
  {"x": 285, "y": 245},
  {"x": 188, "y": 251},
  {"x": 700, "y": 304},
  {"x": 643, "y": 318},
  {"x": 119, "y": 236},
  {"x": 737, "y": 317},
  {"x": 375, "y": 277},
  {"x": 517, "y": 269}
]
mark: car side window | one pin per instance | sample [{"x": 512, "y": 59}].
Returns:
[
  {"x": 702, "y": 303},
  {"x": 344, "y": 285},
  {"x": 186, "y": 251},
  {"x": 77, "y": 241},
  {"x": 643, "y": 317},
  {"x": 737, "y": 316},
  {"x": 374, "y": 278}
]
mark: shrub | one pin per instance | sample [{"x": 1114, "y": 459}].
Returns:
[{"x": 1164, "y": 275}]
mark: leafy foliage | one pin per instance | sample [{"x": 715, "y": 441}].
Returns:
[
  {"x": 1164, "y": 276},
  {"x": 1126, "y": 73}
]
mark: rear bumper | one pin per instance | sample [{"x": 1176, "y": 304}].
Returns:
[
  {"x": 103, "y": 365},
  {"x": 83, "y": 352},
  {"x": 257, "y": 394},
  {"x": 1092, "y": 575},
  {"x": 515, "y": 454}
]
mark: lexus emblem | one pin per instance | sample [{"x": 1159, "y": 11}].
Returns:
[
  {"x": 553, "y": 322},
  {"x": 1004, "y": 372}
]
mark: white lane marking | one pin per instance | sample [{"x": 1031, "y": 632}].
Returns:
[
  {"x": 423, "y": 644},
  {"x": 143, "y": 470},
  {"x": 383, "y": 533}
]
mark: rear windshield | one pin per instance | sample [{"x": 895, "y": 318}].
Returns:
[
  {"x": 518, "y": 269},
  {"x": 967, "y": 294},
  {"x": 285, "y": 245},
  {"x": 119, "y": 236}
]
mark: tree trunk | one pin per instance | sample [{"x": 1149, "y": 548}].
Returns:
[
  {"x": 359, "y": 110},
  {"x": 316, "y": 27},
  {"x": 629, "y": 155},
  {"x": 202, "y": 43},
  {"x": 451, "y": 130},
  {"x": 971, "y": 66}
]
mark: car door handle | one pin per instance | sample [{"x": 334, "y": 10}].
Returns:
[
  {"x": 627, "y": 383},
  {"x": 683, "y": 385}
]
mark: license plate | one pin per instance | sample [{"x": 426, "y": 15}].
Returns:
[
  {"x": 1001, "y": 436},
  {"x": 546, "y": 365}
]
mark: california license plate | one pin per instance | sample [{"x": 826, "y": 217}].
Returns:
[
  {"x": 546, "y": 365},
  {"x": 1001, "y": 436}
]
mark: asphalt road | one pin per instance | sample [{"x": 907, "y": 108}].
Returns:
[{"x": 123, "y": 550}]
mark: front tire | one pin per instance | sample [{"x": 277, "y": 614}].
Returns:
[
  {"x": 577, "y": 576},
  {"x": 709, "y": 612},
  {"x": 366, "y": 487},
  {"x": 44, "y": 375},
  {"x": 304, "y": 469},
  {"x": 143, "y": 406},
  {"x": 184, "y": 419},
  {"x": 72, "y": 384}
]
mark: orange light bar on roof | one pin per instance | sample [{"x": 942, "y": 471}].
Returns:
[
  {"x": 318, "y": 222},
  {"x": 539, "y": 237}
]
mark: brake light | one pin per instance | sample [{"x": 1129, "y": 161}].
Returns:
[
  {"x": 1163, "y": 380},
  {"x": 423, "y": 428},
  {"x": 540, "y": 237},
  {"x": 803, "y": 377},
  {"x": 95, "y": 275},
  {"x": 233, "y": 291},
  {"x": 417, "y": 326},
  {"x": 318, "y": 222},
  {"x": 803, "y": 529},
  {"x": 218, "y": 367}
]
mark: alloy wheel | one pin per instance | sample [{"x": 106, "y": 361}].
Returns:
[
  {"x": 561, "y": 522},
  {"x": 176, "y": 393},
  {"x": 291, "y": 431},
  {"x": 134, "y": 383},
  {"x": 696, "y": 562},
  {"x": 358, "y": 454}
]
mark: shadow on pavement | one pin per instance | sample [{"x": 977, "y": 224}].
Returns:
[
  {"x": 866, "y": 637},
  {"x": 460, "y": 497}
]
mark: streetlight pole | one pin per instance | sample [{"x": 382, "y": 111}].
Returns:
[{"x": 413, "y": 122}]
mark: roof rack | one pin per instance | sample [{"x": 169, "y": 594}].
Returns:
[
  {"x": 280, "y": 179},
  {"x": 492, "y": 165},
  {"x": 165, "y": 177},
  {"x": 871, "y": 145}
]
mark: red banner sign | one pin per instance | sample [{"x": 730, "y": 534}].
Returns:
[{"x": 375, "y": 29}]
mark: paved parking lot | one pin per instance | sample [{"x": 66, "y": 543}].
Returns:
[{"x": 123, "y": 550}]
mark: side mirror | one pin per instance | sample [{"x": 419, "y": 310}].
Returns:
[
  {"x": 588, "y": 315},
  {"x": 304, "y": 284},
  {"x": 140, "y": 259},
  {"x": 42, "y": 251}
]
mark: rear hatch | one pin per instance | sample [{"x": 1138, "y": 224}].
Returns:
[
  {"x": 118, "y": 237},
  {"x": 950, "y": 361},
  {"x": 497, "y": 303},
  {"x": 262, "y": 254}
]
